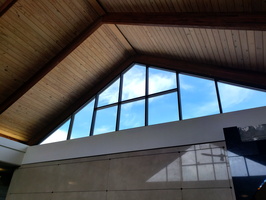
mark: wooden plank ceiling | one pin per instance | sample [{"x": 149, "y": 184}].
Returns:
[{"x": 57, "y": 54}]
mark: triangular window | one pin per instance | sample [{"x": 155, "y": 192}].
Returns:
[
  {"x": 145, "y": 95},
  {"x": 82, "y": 119},
  {"x": 59, "y": 135},
  {"x": 109, "y": 95},
  {"x": 134, "y": 82}
]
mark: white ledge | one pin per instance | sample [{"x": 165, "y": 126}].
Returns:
[{"x": 185, "y": 132}]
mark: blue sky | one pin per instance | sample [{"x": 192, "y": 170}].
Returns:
[
  {"x": 198, "y": 97},
  {"x": 59, "y": 135}
]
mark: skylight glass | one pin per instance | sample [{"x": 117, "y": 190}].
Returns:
[
  {"x": 82, "y": 122},
  {"x": 161, "y": 80},
  {"x": 109, "y": 95},
  {"x": 235, "y": 98},
  {"x": 105, "y": 120},
  {"x": 59, "y": 135},
  {"x": 134, "y": 82},
  {"x": 132, "y": 114},
  {"x": 198, "y": 97},
  {"x": 166, "y": 104}
]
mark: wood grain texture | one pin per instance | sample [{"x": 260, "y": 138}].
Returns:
[
  {"x": 63, "y": 85},
  {"x": 225, "y": 48},
  {"x": 55, "y": 55},
  {"x": 191, "y": 20},
  {"x": 184, "y": 6},
  {"x": 31, "y": 33},
  {"x": 5, "y": 5}
]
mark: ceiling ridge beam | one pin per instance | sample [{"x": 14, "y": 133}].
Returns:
[
  {"x": 237, "y": 76},
  {"x": 51, "y": 64},
  {"x": 6, "y": 5},
  {"x": 122, "y": 39},
  {"x": 242, "y": 21},
  {"x": 98, "y": 7},
  {"x": 220, "y": 20}
]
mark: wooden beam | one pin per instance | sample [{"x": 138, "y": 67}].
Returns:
[
  {"x": 90, "y": 94},
  {"x": 247, "y": 78},
  {"x": 242, "y": 21},
  {"x": 5, "y": 6},
  {"x": 227, "y": 21},
  {"x": 50, "y": 65}
]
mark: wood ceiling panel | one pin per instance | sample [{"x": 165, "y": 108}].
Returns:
[
  {"x": 230, "y": 48},
  {"x": 183, "y": 6},
  {"x": 64, "y": 85},
  {"x": 38, "y": 38},
  {"x": 12, "y": 134},
  {"x": 33, "y": 32},
  {"x": 194, "y": 43},
  {"x": 223, "y": 47},
  {"x": 21, "y": 127},
  {"x": 258, "y": 36},
  {"x": 264, "y": 52}
]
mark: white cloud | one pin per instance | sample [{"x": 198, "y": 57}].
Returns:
[
  {"x": 57, "y": 136},
  {"x": 186, "y": 86},
  {"x": 233, "y": 95},
  {"x": 207, "y": 108},
  {"x": 110, "y": 94},
  {"x": 131, "y": 120},
  {"x": 134, "y": 84},
  {"x": 102, "y": 129},
  {"x": 159, "y": 83}
]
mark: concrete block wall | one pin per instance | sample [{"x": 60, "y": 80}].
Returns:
[{"x": 177, "y": 173}]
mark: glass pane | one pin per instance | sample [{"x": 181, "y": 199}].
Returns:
[
  {"x": 235, "y": 98},
  {"x": 198, "y": 97},
  {"x": 109, "y": 95},
  {"x": 105, "y": 120},
  {"x": 161, "y": 80},
  {"x": 82, "y": 122},
  {"x": 132, "y": 115},
  {"x": 59, "y": 135},
  {"x": 134, "y": 82},
  {"x": 166, "y": 104}
]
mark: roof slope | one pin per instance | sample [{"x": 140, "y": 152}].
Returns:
[{"x": 55, "y": 55}]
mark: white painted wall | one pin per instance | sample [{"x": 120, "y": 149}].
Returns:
[
  {"x": 198, "y": 130},
  {"x": 11, "y": 152}
]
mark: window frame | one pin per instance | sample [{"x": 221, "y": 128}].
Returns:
[{"x": 146, "y": 97}]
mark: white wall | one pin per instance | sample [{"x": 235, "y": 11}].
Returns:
[
  {"x": 11, "y": 152},
  {"x": 192, "y": 131}
]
